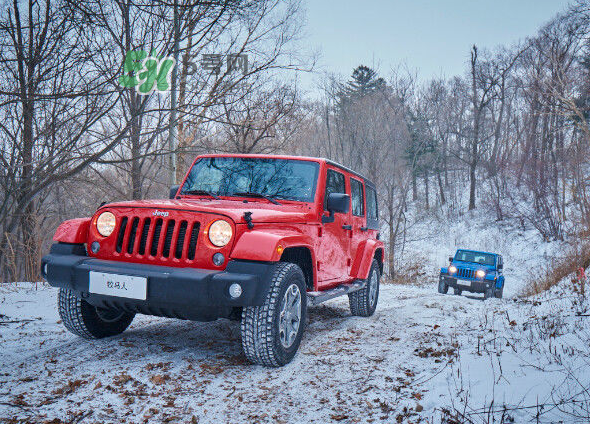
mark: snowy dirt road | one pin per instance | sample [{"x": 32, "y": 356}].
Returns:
[{"x": 420, "y": 355}]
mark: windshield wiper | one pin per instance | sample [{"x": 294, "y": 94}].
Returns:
[
  {"x": 208, "y": 193},
  {"x": 252, "y": 194}
]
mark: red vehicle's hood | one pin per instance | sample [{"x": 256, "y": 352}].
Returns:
[{"x": 262, "y": 210}]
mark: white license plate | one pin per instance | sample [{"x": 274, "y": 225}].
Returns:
[
  {"x": 118, "y": 285},
  {"x": 464, "y": 282}
]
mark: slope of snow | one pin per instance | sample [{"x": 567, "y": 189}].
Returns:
[
  {"x": 421, "y": 357},
  {"x": 432, "y": 239}
]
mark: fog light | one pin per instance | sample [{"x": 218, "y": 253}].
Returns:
[
  {"x": 235, "y": 290},
  {"x": 218, "y": 259},
  {"x": 95, "y": 247}
]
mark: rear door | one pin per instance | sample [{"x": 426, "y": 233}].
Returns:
[
  {"x": 334, "y": 242},
  {"x": 358, "y": 233}
]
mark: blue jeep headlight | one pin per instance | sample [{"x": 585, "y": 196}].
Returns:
[
  {"x": 452, "y": 269},
  {"x": 480, "y": 273}
]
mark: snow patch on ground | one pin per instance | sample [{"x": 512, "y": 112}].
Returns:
[{"x": 421, "y": 357}]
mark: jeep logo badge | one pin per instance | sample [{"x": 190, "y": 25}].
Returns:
[{"x": 160, "y": 213}]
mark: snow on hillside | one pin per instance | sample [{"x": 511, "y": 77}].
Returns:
[{"x": 432, "y": 239}]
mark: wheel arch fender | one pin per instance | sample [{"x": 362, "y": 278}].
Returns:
[
  {"x": 268, "y": 246},
  {"x": 367, "y": 251},
  {"x": 73, "y": 231},
  {"x": 274, "y": 246}
]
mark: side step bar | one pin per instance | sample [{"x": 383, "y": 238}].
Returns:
[{"x": 317, "y": 297}]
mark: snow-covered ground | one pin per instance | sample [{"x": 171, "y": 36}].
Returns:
[{"x": 421, "y": 357}]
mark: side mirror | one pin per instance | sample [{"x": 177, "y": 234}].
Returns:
[
  {"x": 337, "y": 203},
  {"x": 173, "y": 191},
  {"x": 450, "y": 259}
]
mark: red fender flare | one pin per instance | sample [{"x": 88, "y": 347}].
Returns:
[
  {"x": 73, "y": 231},
  {"x": 364, "y": 258},
  {"x": 268, "y": 245}
]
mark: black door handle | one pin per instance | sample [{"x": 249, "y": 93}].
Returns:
[
  {"x": 364, "y": 228},
  {"x": 347, "y": 227}
]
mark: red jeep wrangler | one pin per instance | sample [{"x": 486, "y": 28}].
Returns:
[{"x": 250, "y": 237}]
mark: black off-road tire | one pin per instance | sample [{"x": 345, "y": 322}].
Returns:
[
  {"x": 85, "y": 320},
  {"x": 499, "y": 293},
  {"x": 361, "y": 303},
  {"x": 457, "y": 291},
  {"x": 489, "y": 293},
  {"x": 260, "y": 324},
  {"x": 443, "y": 288}
]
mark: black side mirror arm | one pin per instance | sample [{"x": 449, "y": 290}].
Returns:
[{"x": 328, "y": 219}]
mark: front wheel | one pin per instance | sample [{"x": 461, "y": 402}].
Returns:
[
  {"x": 442, "y": 286},
  {"x": 499, "y": 293},
  {"x": 271, "y": 333},
  {"x": 90, "y": 322},
  {"x": 363, "y": 302},
  {"x": 457, "y": 291}
]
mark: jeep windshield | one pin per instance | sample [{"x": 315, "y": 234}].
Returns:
[
  {"x": 264, "y": 177},
  {"x": 475, "y": 257}
]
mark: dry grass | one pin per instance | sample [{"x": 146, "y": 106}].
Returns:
[
  {"x": 558, "y": 268},
  {"x": 412, "y": 272}
]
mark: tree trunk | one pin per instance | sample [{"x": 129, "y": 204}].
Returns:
[
  {"x": 443, "y": 200},
  {"x": 426, "y": 190},
  {"x": 26, "y": 203},
  {"x": 472, "y": 167},
  {"x": 476, "y": 118}
]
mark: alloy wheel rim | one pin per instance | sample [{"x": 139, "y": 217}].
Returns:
[
  {"x": 290, "y": 317},
  {"x": 373, "y": 285}
]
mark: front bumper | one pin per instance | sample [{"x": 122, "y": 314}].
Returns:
[
  {"x": 188, "y": 293},
  {"x": 470, "y": 285}
]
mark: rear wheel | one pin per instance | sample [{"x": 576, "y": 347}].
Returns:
[
  {"x": 271, "y": 333},
  {"x": 442, "y": 286},
  {"x": 364, "y": 302},
  {"x": 90, "y": 322}
]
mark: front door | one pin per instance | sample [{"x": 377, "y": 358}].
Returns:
[{"x": 334, "y": 243}]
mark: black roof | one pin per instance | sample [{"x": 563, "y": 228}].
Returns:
[{"x": 344, "y": 168}]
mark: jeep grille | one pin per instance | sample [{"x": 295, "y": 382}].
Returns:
[
  {"x": 158, "y": 237},
  {"x": 465, "y": 273}
]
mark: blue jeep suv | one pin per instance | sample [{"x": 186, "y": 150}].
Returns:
[{"x": 473, "y": 271}]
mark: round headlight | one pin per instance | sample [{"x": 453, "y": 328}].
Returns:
[
  {"x": 220, "y": 233},
  {"x": 452, "y": 269},
  {"x": 105, "y": 224},
  {"x": 480, "y": 273}
]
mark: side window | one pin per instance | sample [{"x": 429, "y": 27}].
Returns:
[
  {"x": 334, "y": 184},
  {"x": 357, "y": 197},
  {"x": 371, "y": 204}
]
